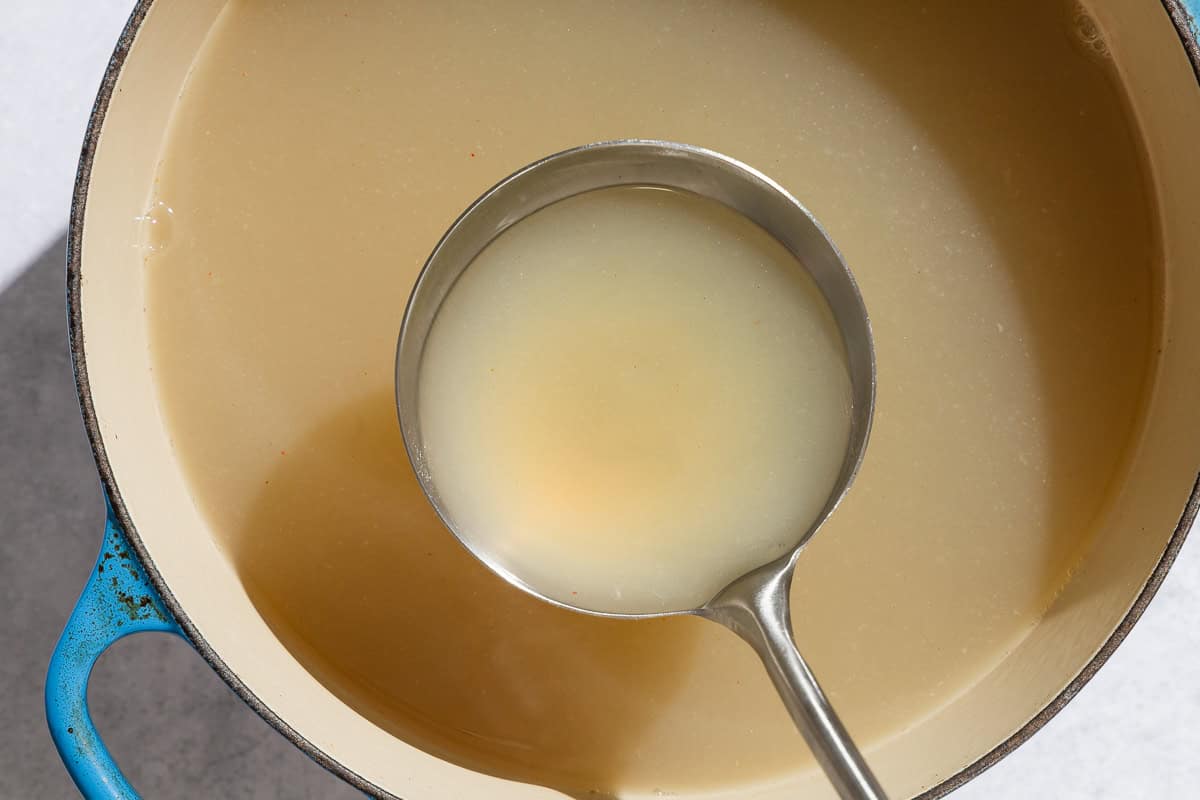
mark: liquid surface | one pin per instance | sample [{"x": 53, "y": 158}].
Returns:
[
  {"x": 991, "y": 206},
  {"x": 631, "y": 398}
]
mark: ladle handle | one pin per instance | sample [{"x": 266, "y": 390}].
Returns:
[{"x": 756, "y": 609}]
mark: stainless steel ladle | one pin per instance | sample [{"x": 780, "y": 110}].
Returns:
[{"x": 755, "y": 606}]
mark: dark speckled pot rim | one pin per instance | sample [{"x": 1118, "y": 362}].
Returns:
[{"x": 1183, "y": 25}]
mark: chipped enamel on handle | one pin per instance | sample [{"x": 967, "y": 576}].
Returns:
[{"x": 118, "y": 600}]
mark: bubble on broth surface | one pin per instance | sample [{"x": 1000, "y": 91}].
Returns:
[
  {"x": 156, "y": 227},
  {"x": 1088, "y": 33}
]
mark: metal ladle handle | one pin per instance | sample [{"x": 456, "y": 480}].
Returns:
[{"x": 756, "y": 608}]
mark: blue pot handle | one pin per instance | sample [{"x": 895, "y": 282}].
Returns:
[{"x": 118, "y": 600}]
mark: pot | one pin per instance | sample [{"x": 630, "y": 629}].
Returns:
[{"x": 160, "y": 569}]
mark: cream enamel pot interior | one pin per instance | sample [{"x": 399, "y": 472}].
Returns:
[{"x": 1154, "y": 48}]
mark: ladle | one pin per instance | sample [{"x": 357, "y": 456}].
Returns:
[{"x": 755, "y": 606}]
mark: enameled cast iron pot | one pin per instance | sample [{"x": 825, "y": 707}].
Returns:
[{"x": 159, "y": 568}]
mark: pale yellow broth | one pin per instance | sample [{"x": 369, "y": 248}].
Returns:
[
  {"x": 976, "y": 165},
  {"x": 631, "y": 398}
]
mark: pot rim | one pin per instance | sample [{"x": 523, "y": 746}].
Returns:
[{"x": 1186, "y": 28}]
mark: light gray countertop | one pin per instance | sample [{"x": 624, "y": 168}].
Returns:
[{"x": 1134, "y": 731}]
